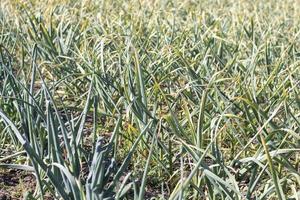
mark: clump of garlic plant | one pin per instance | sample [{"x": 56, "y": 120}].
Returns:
[{"x": 152, "y": 99}]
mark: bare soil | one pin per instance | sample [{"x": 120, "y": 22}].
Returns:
[{"x": 14, "y": 184}]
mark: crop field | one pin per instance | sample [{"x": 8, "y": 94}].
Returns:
[{"x": 150, "y": 99}]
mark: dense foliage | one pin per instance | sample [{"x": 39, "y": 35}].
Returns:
[{"x": 153, "y": 99}]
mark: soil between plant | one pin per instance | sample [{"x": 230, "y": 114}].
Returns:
[{"x": 14, "y": 184}]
